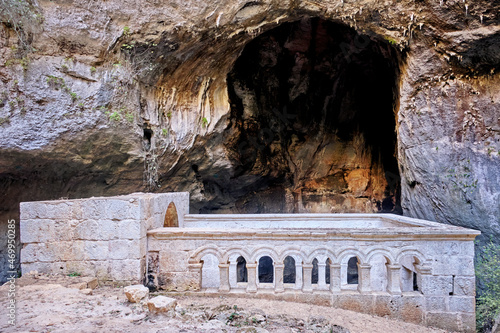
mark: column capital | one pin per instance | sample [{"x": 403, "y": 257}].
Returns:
[
  {"x": 424, "y": 269},
  {"x": 195, "y": 267},
  {"x": 393, "y": 267}
]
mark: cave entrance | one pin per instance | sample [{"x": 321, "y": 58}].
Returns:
[{"x": 313, "y": 126}]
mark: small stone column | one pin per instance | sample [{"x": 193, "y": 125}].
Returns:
[
  {"x": 424, "y": 278},
  {"x": 393, "y": 279},
  {"x": 224, "y": 278},
  {"x": 364, "y": 284},
  {"x": 343, "y": 273},
  {"x": 278, "y": 278},
  {"x": 196, "y": 268},
  {"x": 321, "y": 276},
  {"x": 233, "y": 274},
  {"x": 252, "y": 278},
  {"x": 335, "y": 277},
  {"x": 298, "y": 276},
  {"x": 306, "y": 276}
]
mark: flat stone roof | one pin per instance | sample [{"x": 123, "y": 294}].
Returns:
[{"x": 312, "y": 226}]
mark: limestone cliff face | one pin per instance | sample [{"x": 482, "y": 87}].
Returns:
[{"x": 260, "y": 106}]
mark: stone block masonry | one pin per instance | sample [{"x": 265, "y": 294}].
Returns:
[
  {"x": 104, "y": 237},
  {"x": 387, "y": 265},
  {"x": 382, "y": 264}
]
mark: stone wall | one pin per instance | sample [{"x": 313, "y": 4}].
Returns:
[
  {"x": 418, "y": 271},
  {"x": 103, "y": 237}
]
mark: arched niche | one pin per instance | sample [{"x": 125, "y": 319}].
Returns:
[{"x": 171, "y": 217}]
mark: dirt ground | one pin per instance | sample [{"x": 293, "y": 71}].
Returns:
[{"x": 54, "y": 304}]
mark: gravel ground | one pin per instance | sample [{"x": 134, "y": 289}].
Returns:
[{"x": 53, "y": 304}]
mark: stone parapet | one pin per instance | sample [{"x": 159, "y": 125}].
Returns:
[{"x": 409, "y": 269}]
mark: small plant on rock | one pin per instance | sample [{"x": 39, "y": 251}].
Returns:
[{"x": 204, "y": 122}]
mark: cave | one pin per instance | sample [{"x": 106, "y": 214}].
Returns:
[{"x": 313, "y": 122}]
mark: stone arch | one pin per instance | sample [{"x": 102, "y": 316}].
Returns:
[
  {"x": 171, "y": 218},
  {"x": 328, "y": 262},
  {"x": 416, "y": 253},
  {"x": 239, "y": 250},
  {"x": 352, "y": 273},
  {"x": 410, "y": 274},
  {"x": 321, "y": 254},
  {"x": 264, "y": 251},
  {"x": 345, "y": 254},
  {"x": 379, "y": 260},
  {"x": 299, "y": 257},
  {"x": 295, "y": 252},
  {"x": 289, "y": 270},
  {"x": 207, "y": 249},
  {"x": 241, "y": 269},
  {"x": 210, "y": 276},
  {"x": 315, "y": 271},
  {"x": 386, "y": 253},
  {"x": 265, "y": 270}
]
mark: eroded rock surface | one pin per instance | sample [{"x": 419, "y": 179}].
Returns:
[{"x": 270, "y": 106}]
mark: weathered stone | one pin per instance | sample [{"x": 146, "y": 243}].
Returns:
[
  {"x": 412, "y": 309},
  {"x": 436, "y": 304},
  {"x": 87, "y": 291},
  {"x": 97, "y": 250},
  {"x": 79, "y": 285},
  {"x": 92, "y": 282},
  {"x": 464, "y": 286},
  {"x": 468, "y": 321},
  {"x": 462, "y": 304},
  {"x": 259, "y": 318},
  {"x": 437, "y": 285},
  {"x": 136, "y": 293},
  {"x": 126, "y": 270},
  {"x": 445, "y": 320},
  {"x": 161, "y": 304}
]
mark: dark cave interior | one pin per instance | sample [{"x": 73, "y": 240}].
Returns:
[{"x": 313, "y": 125}]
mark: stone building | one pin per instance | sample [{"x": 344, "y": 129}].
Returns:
[{"x": 382, "y": 264}]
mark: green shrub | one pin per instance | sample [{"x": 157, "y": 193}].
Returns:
[{"x": 488, "y": 275}]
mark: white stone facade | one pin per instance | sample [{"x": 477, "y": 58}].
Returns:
[
  {"x": 387, "y": 265},
  {"x": 103, "y": 237}
]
